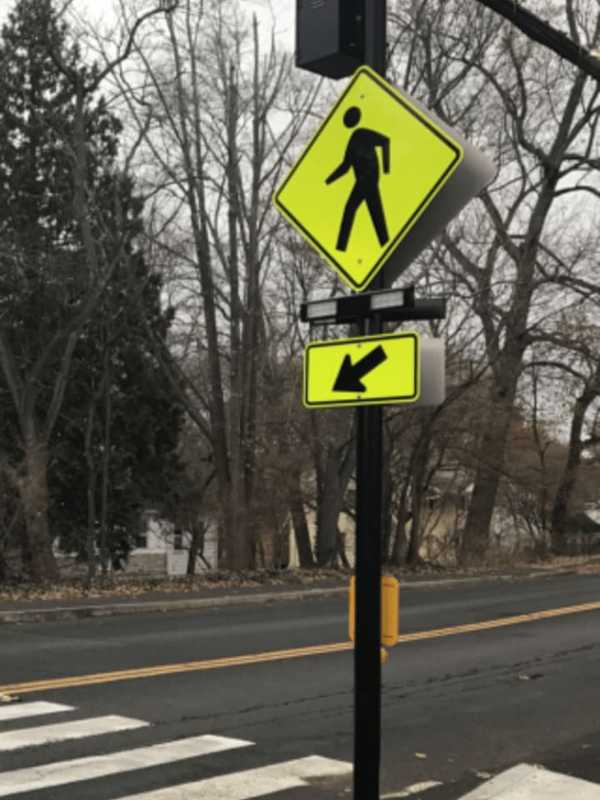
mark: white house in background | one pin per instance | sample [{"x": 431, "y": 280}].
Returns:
[
  {"x": 159, "y": 549},
  {"x": 163, "y": 549}
]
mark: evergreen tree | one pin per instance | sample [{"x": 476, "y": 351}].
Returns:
[
  {"x": 135, "y": 425},
  {"x": 67, "y": 278}
]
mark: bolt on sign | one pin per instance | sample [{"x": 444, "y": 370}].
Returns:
[
  {"x": 366, "y": 370},
  {"x": 367, "y": 176}
]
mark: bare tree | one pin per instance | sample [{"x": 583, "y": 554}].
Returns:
[
  {"x": 538, "y": 118},
  {"x": 571, "y": 354},
  {"x": 218, "y": 119}
]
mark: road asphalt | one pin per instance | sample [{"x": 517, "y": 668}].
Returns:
[
  {"x": 463, "y": 713},
  {"x": 21, "y": 611}
]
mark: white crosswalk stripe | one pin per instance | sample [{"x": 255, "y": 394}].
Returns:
[
  {"x": 517, "y": 782},
  {"x": 252, "y": 783},
  {"x": 20, "y": 710},
  {"x": 83, "y": 769},
  {"x": 530, "y": 782},
  {"x": 247, "y": 784},
  {"x": 62, "y": 731}
]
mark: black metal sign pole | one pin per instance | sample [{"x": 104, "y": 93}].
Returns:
[{"x": 369, "y": 465}]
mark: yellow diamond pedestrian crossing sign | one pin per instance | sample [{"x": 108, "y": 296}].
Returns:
[
  {"x": 365, "y": 370},
  {"x": 367, "y": 176}
]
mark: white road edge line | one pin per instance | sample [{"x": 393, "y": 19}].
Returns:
[
  {"x": 252, "y": 783},
  {"x": 408, "y": 791},
  {"x": 20, "y": 710},
  {"x": 83, "y": 769},
  {"x": 60, "y": 732}
]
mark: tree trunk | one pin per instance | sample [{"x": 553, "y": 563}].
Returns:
[
  {"x": 238, "y": 547},
  {"x": 329, "y": 505},
  {"x": 241, "y": 545},
  {"x": 327, "y": 519},
  {"x": 569, "y": 475},
  {"x": 334, "y": 481},
  {"x": 400, "y": 546},
  {"x": 301, "y": 533},
  {"x": 387, "y": 491},
  {"x": 191, "y": 141},
  {"x": 419, "y": 464},
  {"x": 402, "y": 517},
  {"x": 487, "y": 479},
  {"x": 341, "y": 550},
  {"x": 196, "y": 548},
  {"x": 25, "y": 554},
  {"x": 247, "y": 537},
  {"x": 302, "y": 537},
  {"x": 104, "y": 546},
  {"x": 33, "y": 491},
  {"x": 90, "y": 541}
]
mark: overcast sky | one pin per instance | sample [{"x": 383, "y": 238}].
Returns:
[{"x": 279, "y": 12}]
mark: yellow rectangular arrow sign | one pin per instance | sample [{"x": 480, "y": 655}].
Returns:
[{"x": 366, "y": 370}]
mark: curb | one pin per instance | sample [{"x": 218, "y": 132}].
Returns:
[{"x": 165, "y": 606}]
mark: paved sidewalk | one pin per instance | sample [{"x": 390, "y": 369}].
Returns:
[{"x": 23, "y": 611}]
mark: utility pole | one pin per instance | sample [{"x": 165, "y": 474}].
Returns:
[
  {"x": 542, "y": 32},
  {"x": 337, "y": 39},
  {"x": 369, "y": 491}
]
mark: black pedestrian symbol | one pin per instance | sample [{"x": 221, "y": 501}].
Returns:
[{"x": 361, "y": 155}]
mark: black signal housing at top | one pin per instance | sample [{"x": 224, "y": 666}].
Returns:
[{"x": 330, "y": 36}]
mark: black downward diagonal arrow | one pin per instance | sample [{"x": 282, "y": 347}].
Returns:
[{"x": 349, "y": 376}]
